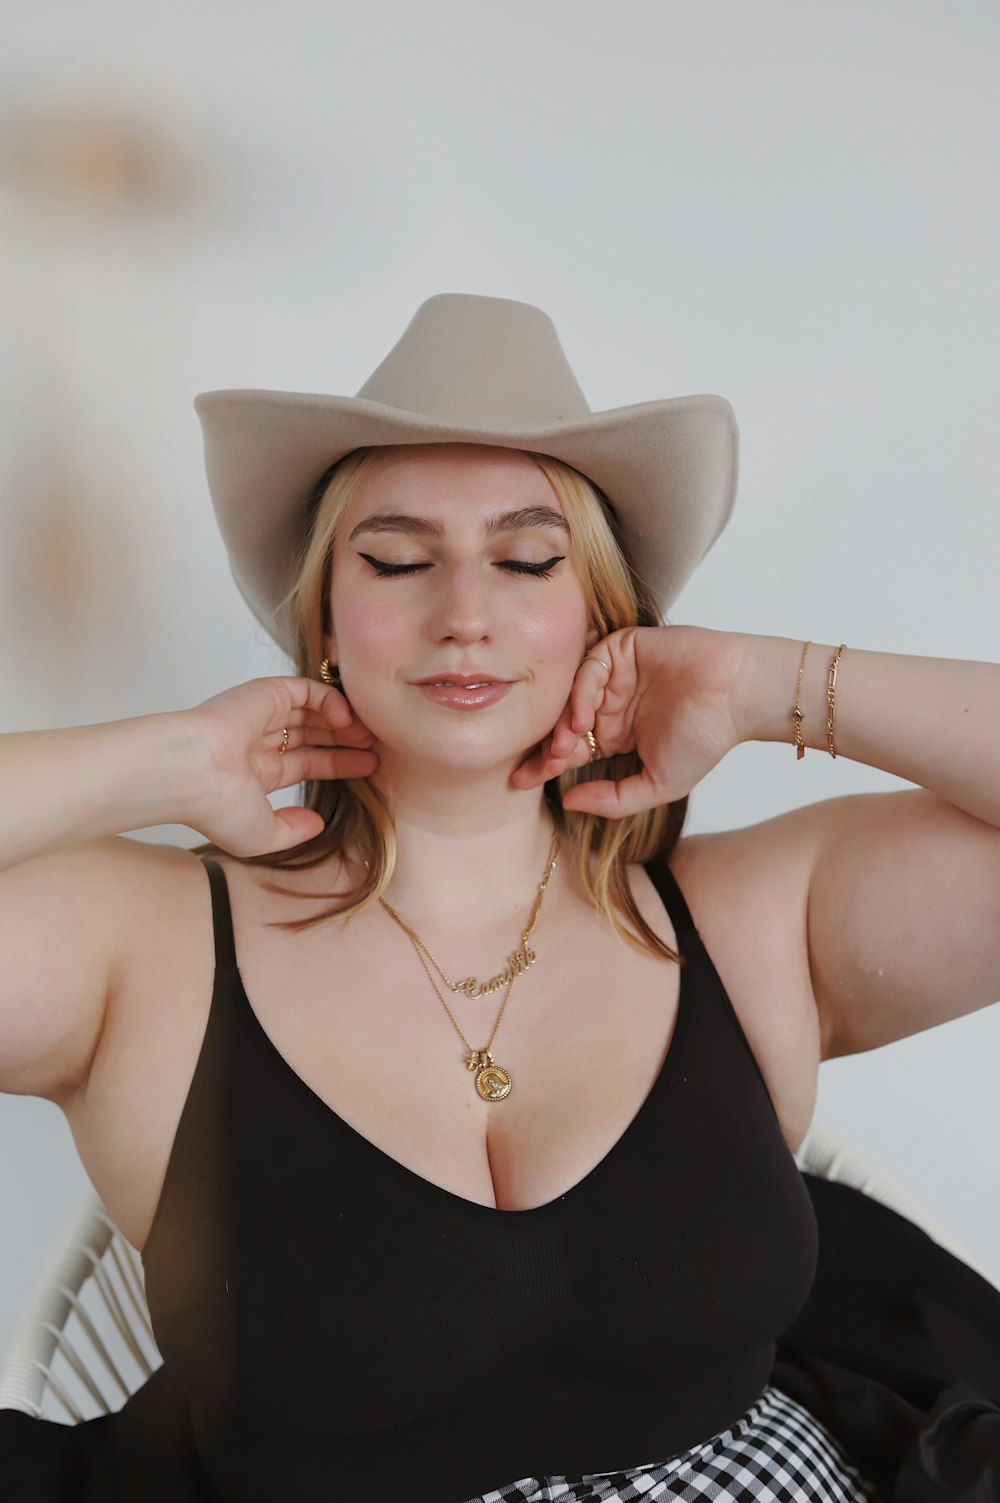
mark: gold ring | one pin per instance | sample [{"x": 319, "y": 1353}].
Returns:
[
  {"x": 284, "y": 741},
  {"x": 592, "y": 658},
  {"x": 591, "y": 741}
]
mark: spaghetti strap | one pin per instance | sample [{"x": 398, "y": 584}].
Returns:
[
  {"x": 671, "y": 896},
  {"x": 222, "y": 918}
]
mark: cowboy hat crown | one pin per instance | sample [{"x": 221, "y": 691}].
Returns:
[{"x": 507, "y": 355}]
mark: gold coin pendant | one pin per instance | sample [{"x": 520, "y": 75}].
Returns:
[{"x": 493, "y": 1083}]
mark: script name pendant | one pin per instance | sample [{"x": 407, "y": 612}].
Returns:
[
  {"x": 492, "y": 1082},
  {"x": 517, "y": 964}
]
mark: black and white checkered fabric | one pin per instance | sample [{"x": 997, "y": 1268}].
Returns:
[{"x": 777, "y": 1452}]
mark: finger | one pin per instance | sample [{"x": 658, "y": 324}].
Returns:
[
  {"x": 336, "y": 709},
  {"x": 292, "y": 825},
  {"x": 564, "y": 738},
  {"x": 323, "y": 736},
  {"x": 319, "y": 728},
  {"x": 587, "y": 693},
  {"x": 299, "y": 700},
  {"x": 356, "y": 726},
  {"x": 312, "y": 695},
  {"x": 579, "y": 756},
  {"x": 321, "y": 764},
  {"x": 319, "y": 732},
  {"x": 356, "y": 733},
  {"x": 531, "y": 772},
  {"x": 615, "y": 800},
  {"x": 315, "y": 725},
  {"x": 543, "y": 765}
]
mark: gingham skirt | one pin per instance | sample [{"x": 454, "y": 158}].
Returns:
[{"x": 776, "y": 1452}]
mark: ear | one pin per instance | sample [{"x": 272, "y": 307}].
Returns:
[
  {"x": 330, "y": 647},
  {"x": 593, "y": 637}
]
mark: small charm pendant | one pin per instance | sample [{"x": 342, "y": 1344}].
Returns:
[{"x": 492, "y": 1082}]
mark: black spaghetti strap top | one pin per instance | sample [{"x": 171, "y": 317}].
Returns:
[{"x": 341, "y": 1327}]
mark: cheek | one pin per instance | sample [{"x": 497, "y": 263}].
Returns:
[
  {"x": 552, "y": 640},
  {"x": 554, "y": 632},
  {"x": 370, "y": 642},
  {"x": 372, "y": 634}
]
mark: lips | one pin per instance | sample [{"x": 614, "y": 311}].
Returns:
[
  {"x": 461, "y": 691},
  {"x": 462, "y": 680}
]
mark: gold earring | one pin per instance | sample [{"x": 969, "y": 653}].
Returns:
[{"x": 329, "y": 673}]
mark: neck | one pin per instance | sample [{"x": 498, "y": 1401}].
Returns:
[{"x": 468, "y": 858}]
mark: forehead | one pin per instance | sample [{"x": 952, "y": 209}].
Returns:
[{"x": 435, "y": 478}]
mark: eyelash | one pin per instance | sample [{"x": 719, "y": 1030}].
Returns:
[{"x": 539, "y": 571}]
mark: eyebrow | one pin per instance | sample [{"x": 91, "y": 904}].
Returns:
[{"x": 498, "y": 522}]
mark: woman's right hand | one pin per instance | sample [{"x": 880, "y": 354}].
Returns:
[{"x": 242, "y": 728}]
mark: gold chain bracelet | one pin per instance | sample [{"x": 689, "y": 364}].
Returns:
[{"x": 831, "y": 689}]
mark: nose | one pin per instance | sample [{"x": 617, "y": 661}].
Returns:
[{"x": 462, "y": 610}]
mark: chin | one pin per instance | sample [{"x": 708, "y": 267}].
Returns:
[{"x": 458, "y": 749}]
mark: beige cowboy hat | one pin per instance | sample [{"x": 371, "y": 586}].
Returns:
[{"x": 469, "y": 369}]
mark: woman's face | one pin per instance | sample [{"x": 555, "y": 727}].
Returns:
[{"x": 452, "y": 567}]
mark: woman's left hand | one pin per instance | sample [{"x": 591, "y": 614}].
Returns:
[{"x": 667, "y": 693}]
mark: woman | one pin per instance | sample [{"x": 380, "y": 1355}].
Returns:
[{"x": 561, "y": 1272}]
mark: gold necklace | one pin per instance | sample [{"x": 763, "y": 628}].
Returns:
[
  {"x": 517, "y": 963},
  {"x": 493, "y": 1082}
]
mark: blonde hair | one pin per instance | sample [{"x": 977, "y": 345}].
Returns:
[{"x": 356, "y": 814}]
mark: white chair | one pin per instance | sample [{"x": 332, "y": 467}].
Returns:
[{"x": 85, "y": 1342}]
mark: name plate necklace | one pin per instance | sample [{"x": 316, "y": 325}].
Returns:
[{"x": 493, "y": 1082}]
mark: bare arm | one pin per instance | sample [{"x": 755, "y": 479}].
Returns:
[
  {"x": 903, "y": 888},
  {"x": 62, "y": 787}
]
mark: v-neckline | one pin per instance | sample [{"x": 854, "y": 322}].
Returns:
[{"x": 395, "y": 1165}]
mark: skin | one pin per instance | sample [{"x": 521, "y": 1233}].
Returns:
[{"x": 449, "y": 772}]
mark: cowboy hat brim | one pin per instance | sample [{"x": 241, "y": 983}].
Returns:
[{"x": 669, "y": 468}]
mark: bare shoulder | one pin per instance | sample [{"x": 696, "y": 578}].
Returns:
[
  {"x": 168, "y": 926},
  {"x": 160, "y": 892},
  {"x": 748, "y": 891},
  {"x": 159, "y": 898},
  {"x": 154, "y": 893},
  {"x": 165, "y": 901},
  {"x": 165, "y": 922}
]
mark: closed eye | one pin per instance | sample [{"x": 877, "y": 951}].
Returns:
[
  {"x": 518, "y": 566},
  {"x": 541, "y": 571}
]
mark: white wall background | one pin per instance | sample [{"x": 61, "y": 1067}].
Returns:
[{"x": 790, "y": 204}]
